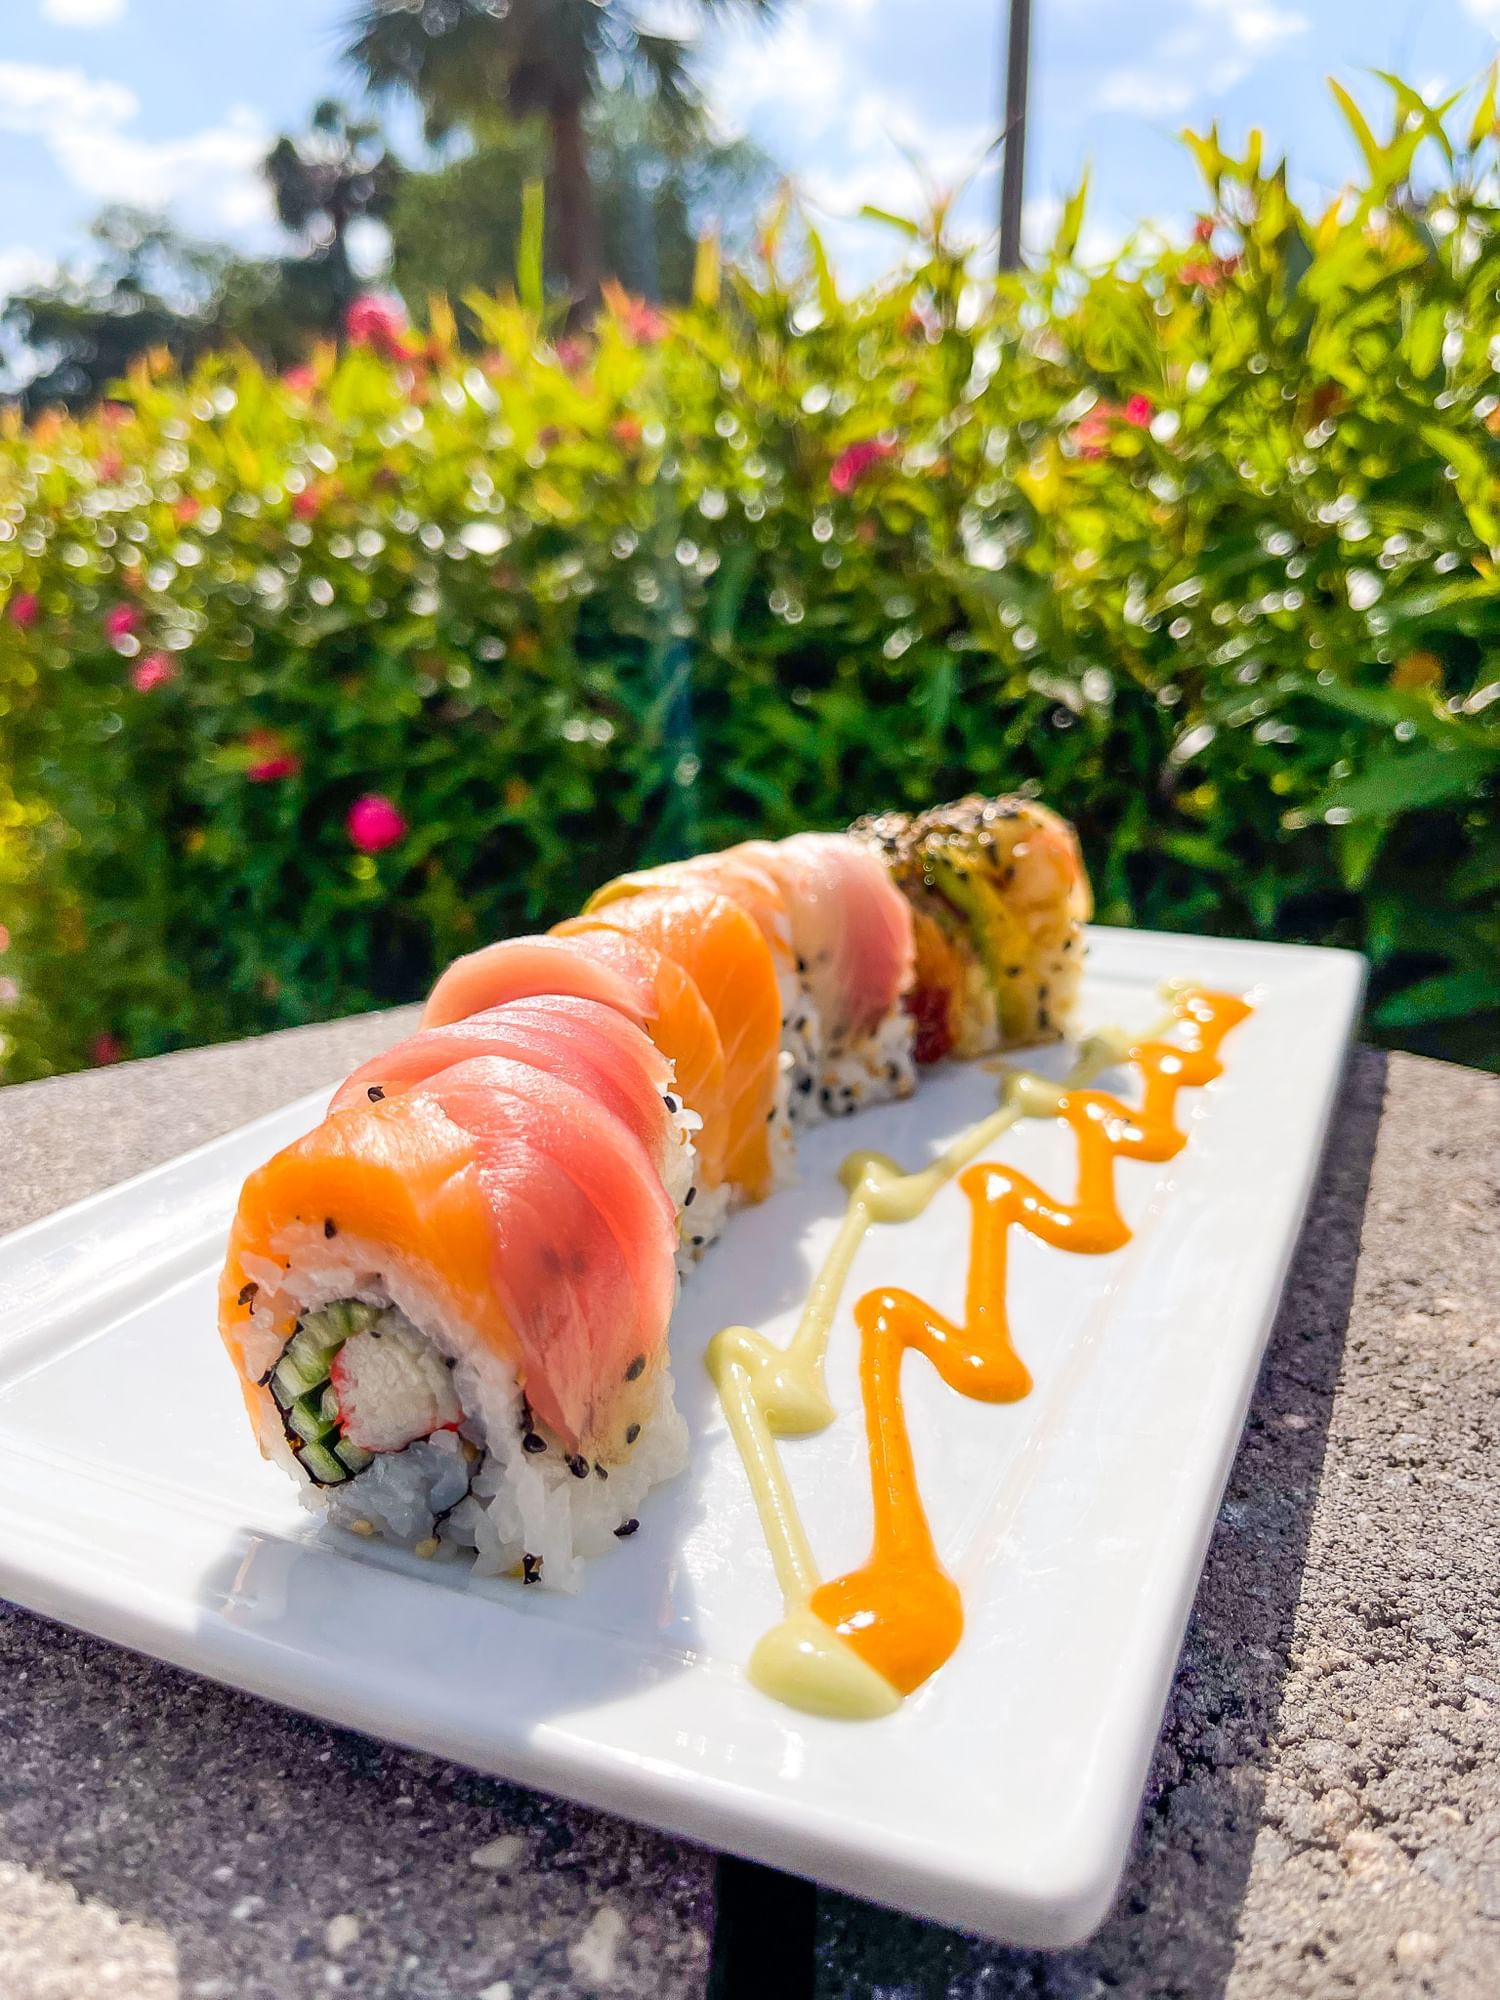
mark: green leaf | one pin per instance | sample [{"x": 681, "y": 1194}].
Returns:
[
  {"x": 1405, "y": 783},
  {"x": 1069, "y": 227},
  {"x": 1483, "y": 125},
  {"x": 1448, "y": 996},
  {"x": 1356, "y": 846},
  {"x": 530, "y": 287},
  {"x": 1369, "y": 145},
  {"x": 902, "y": 222}
]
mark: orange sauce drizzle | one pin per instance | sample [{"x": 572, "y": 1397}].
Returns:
[{"x": 901, "y": 1611}]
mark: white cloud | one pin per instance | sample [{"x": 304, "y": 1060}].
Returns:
[
  {"x": 86, "y": 124},
  {"x": 22, "y": 269},
  {"x": 1215, "y": 45},
  {"x": 83, "y": 13}
]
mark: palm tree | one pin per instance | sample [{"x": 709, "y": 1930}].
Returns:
[
  {"x": 339, "y": 172},
  {"x": 467, "y": 60}
]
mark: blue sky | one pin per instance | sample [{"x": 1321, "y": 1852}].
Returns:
[{"x": 173, "y": 101}]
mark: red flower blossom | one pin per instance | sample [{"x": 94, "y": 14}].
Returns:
[
  {"x": 1206, "y": 275},
  {"x": 1093, "y": 430},
  {"x": 272, "y": 768},
  {"x": 187, "y": 509},
  {"x": 120, "y": 621},
  {"x": 25, "y": 608},
  {"x": 855, "y": 460},
  {"x": 572, "y": 353},
  {"x": 1203, "y": 228},
  {"x": 374, "y": 823},
  {"x": 377, "y": 323},
  {"x": 4, "y": 938},
  {"x": 626, "y": 429},
  {"x": 106, "y": 1049},
  {"x": 301, "y": 380},
  {"x": 153, "y": 672},
  {"x": 115, "y": 414},
  {"x": 109, "y": 466},
  {"x": 642, "y": 322},
  {"x": 276, "y": 761},
  {"x": 307, "y": 503}
]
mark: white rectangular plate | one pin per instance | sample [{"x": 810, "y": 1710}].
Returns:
[{"x": 1002, "y": 1796}]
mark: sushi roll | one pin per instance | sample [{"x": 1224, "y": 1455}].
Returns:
[
  {"x": 999, "y": 899},
  {"x": 448, "y": 1304},
  {"x": 853, "y": 945}
]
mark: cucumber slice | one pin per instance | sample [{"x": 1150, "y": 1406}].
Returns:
[
  {"x": 321, "y": 1465},
  {"x": 354, "y": 1456},
  {"x": 294, "y": 1376},
  {"x": 345, "y": 1318},
  {"x": 328, "y": 1407},
  {"x": 305, "y": 1417}
]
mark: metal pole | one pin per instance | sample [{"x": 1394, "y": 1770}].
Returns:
[{"x": 1013, "y": 165}]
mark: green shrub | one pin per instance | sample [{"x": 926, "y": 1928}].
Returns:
[{"x": 1203, "y": 547}]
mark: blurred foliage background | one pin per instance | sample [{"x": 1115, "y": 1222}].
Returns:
[{"x": 316, "y": 671}]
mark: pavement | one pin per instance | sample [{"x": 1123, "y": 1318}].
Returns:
[{"x": 1323, "y": 1816}]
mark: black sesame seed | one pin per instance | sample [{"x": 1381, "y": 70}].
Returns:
[
  {"x": 374, "y": 1093},
  {"x": 247, "y": 1293},
  {"x": 330, "y": 1227},
  {"x": 531, "y": 1569},
  {"x": 533, "y": 1442},
  {"x": 599, "y": 1472},
  {"x": 697, "y": 1242},
  {"x": 826, "y": 1097},
  {"x": 802, "y": 965},
  {"x": 636, "y": 1369},
  {"x": 804, "y": 1084},
  {"x": 626, "y": 1528},
  {"x": 632, "y": 1433},
  {"x": 577, "y": 1464},
  {"x": 1012, "y": 971},
  {"x": 690, "y": 1197}
]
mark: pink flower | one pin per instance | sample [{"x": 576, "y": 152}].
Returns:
[
  {"x": 25, "y": 609},
  {"x": 1206, "y": 275},
  {"x": 374, "y": 823},
  {"x": 115, "y": 414},
  {"x": 1203, "y": 228},
  {"x": 106, "y": 1049},
  {"x": 187, "y": 509},
  {"x": 572, "y": 353},
  {"x": 4, "y": 938},
  {"x": 378, "y": 323},
  {"x": 301, "y": 380},
  {"x": 855, "y": 460},
  {"x": 153, "y": 672},
  {"x": 271, "y": 768},
  {"x": 1139, "y": 411},
  {"x": 10, "y": 993},
  {"x": 120, "y": 621},
  {"x": 276, "y": 761},
  {"x": 306, "y": 504},
  {"x": 642, "y": 322}
]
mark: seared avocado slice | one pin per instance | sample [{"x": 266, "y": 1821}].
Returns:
[{"x": 1001, "y": 942}]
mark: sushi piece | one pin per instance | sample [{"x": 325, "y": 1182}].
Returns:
[
  {"x": 852, "y": 937},
  {"x": 520, "y": 969},
  {"x": 448, "y": 1311},
  {"x": 999, "y": 898},
  {"x": 721, "y": 950},
  {"x": 747, "y": 881},
  {"x": 638, "y": 981},
  {"x": 589, "y": 1045}
]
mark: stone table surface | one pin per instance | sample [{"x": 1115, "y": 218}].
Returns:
[{"x": 1323, "y": 1816}]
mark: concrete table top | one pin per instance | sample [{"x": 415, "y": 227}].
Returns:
[{"x": 1324, "y": 1812}]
